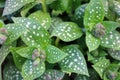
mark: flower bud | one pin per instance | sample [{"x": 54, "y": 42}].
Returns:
[
  {"x": 36, "y": 53},
  {"x": 98, "y": 30},
  {"x": 3, "y": 31},
  {"x": 42, "y": 54},
  {"x": 2, "y": 38},
  {"x": 36, "y": 62}
]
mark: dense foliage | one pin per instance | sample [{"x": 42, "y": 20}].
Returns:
[{"x": 59, "y": 39}]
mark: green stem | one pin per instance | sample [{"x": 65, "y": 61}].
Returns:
[
  {"x": 44, "y": 6},
  {"x": 57, "y": 41}
]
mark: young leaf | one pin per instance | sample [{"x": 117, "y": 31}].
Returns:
[
  {"x": 110, "y": 26},
  {"x": 111, "y": 40},
  {"x": 52, "y": 75},
  {"x": 18, "y": 60},
  {"x": 31, "y": 72},
  {"x": 36, "y": 35},
  {"x": 25, "y": 52},
  {"x": 14, "y": 5},
  {"x": 10, "y": 72},
  {"x": 54, "y": 54},
  {"x": 14, "y": 32},
  {"x": 101, "y": 66},
  {"x": 114, "y": 53},
  {"x": 92, "y": 42},
  {"x": 43, "y": 18},
  {"x": 94, "y": 14},
  {"x": 74, "y": 62},
  {"x": 67, "y": 31}
]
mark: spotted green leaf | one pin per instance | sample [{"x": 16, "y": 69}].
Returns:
[
  {"x": 106, "y": 6},
  {"x": 112, "y": 72},
  {"x": 114, "y": 53},
  {"x": 117, "y": 7},
  {"x": 93, "y": 76},
  {"x": 30, "y": 71},
  {"x": 94, "y": 14},
  {"x": 111, "y": 40},
  {"x": 25, "y": 52},
  {"x": 43, "y": 18},
  {"x": 14, "y": 5},
  {"x": 18, "y": 60},
  {"x": 52, "y": 75},
  {"x": 67, "y": 31},
  {"x": 79, "y": 12},
  {"x": 101, "y": 66},
  {"x": 35, "y": 35},
  {"x": 110, "y": 26},
  {"x": 4, "y": 51},
  {"x": 15, "y": 31},
  {"x": 74, "y": 62},
  {"x": 92, "y": 42},
  {"x": 10, "y": 72},
  {"x": 54, "y": 54}
]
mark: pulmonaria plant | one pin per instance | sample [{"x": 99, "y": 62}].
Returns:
[{"x": 60, "y": 40}]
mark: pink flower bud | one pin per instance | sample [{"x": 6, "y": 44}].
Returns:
[
  {"x": 36, "y": 62},
  {"x": 2, "y": 38},
  {"x": 36, "y": 53},
  {"x": 3, "y": 30}
]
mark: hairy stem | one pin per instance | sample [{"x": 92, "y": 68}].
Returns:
[
  {"x": 57, "y": 41},
  {"x": 44, "y": 6}
]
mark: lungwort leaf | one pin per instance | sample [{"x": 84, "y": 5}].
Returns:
[
  {"x": 10, "y": 72},
  {"x": 43, "y": 18},
  {"x": 111, "y": 40},
  {"x": 54, "y": 54},
  {"x": 74, "y": 62},
  {"x": 67, "y": 31},
  {"x": 101, "y": 66},
  {"x": 110, "y": 26},
  {"x": 4, "y": 51},
  {"x": 35, "y": 35},
  {"x": 52, "y": 75},
  {"x": 94, "y": 14},
  {"x": 31, "y": 72},
  {"x": 13, "y": 5},
  {"x": 15, "y": 31},
  {"x": 92, "y": 42},
  {"x": 25, "y": 52},
  {"x": 114, "y": 53}
]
